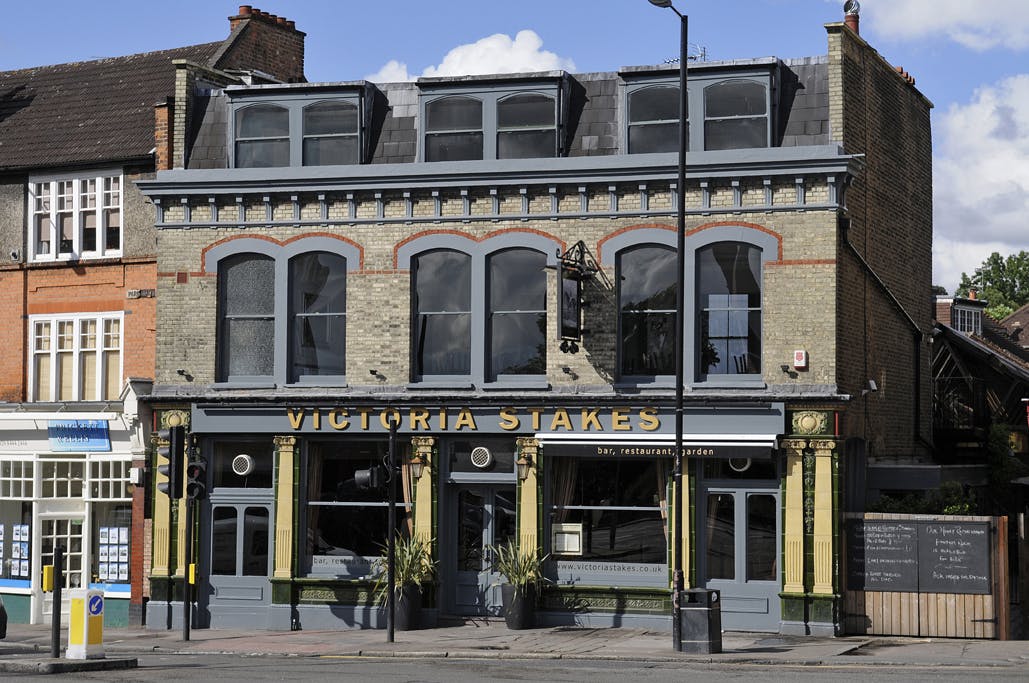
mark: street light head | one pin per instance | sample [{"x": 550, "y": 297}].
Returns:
[{"x": 661, "y": 3}]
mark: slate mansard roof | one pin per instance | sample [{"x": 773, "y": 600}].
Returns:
[{"x": 86, "y": 113}]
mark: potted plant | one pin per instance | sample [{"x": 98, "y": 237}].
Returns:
[
  {"x": 523, "y": 573},
  {"x": 413, "y": 567}
]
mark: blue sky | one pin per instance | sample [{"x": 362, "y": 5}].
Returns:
[{"x": 970, "y": 58}]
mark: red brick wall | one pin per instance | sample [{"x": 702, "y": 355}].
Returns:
[
  {"x": 13, "y": 334},
  {"x": 266, "y": 43}
]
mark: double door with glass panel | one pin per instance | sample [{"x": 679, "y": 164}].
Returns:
[{"x": 483, "y": 515}]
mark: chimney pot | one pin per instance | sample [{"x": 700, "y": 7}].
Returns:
[
  {"x": 291, "y": 25},
  {"x": 972, "y": 294},
  {"x": 244, "y": 10}
]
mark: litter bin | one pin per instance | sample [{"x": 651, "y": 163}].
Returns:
[{"x": 700, "y": 621}]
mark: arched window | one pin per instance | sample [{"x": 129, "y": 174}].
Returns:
[
  {"x": 654, "y": 120},
  {"x": 453, "y": 129},
  {"x": 330, "y": 134},
  {"x": 443, "y": 313},
  {"x": 246, "y": 320},
  {"x": 526, "y": 127},
  {"x": 729, "y": 309},
  {"x": 262, "y": 136},
  {"x": 646, "y": 304},
  {"x": 735, "y": 115},
  {"x": 517, "y": 313},
  {"x": 317, "y": 314}
]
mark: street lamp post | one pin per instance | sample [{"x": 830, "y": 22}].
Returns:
[{"x": 678, "y": 583}]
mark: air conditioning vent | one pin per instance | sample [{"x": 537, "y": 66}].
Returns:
[
  {"x": 242, "y": 464},
  {"x": 481, "y": 457}
]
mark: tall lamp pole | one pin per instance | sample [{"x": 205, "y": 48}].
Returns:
[{"x": 678, "y": 583}]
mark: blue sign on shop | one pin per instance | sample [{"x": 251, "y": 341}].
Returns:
[{"x": 79, "y": 435}]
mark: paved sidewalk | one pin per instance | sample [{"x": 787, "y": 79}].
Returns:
[{"x": 492, "y": 639}]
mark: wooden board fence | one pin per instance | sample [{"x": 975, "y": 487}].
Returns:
[{"x": 948, "y": 615}]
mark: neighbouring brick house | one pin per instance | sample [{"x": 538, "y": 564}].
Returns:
[
  {"x": 488, "y": 264},
  {"x": 78, "y": 284}
]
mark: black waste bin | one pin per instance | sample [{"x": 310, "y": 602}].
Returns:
[{"x": 700, "y": 621}]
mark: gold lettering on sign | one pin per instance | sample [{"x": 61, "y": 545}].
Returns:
[
  {"x": 465, "y": 419},
  {"x": 537, "y": 415},
  {"x": 364, "y": 418},
  {"x": 508, "y": 420},
  {"x": 419, "y": 419},
  {"x": 338, "y": 419},
  {"x": 589, "y": 420},
  {"x": 620, "y": 421},
  {"x": 443, "y": 419},
  {"x": 388, "y": 417},
  {"x": 316, "y": 419},
  {"x": 649, "y": 421},
  {"x": 296, "y": 417},
  {"x": 561, "y": 419}
]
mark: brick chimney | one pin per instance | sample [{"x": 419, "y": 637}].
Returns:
[
  {"x": 261, "y": 41},
  {"x": 851, "y": 18}
]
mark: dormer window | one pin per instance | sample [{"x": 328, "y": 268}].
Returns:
[
  {"x": 735, "y": 115},
  {"x": 654, "y": 119},
  {"x": 967, "y": 319},
  {"x": 297, "y": 128},
  {"x": 479, "y": 122}
]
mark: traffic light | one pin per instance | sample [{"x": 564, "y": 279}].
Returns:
[
  {"x": 372, "y": 478},
  {"x": 196, "y": 479},
  {"x": 171, "y": 449}
]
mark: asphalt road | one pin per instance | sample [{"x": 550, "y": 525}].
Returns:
[{"x": 229, "y": 668}]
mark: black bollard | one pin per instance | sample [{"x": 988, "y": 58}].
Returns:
[{"x": 55, "y": 617}]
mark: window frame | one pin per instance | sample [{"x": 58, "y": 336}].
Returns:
[
  {"x": 555, "y": 87},
  {"x": 100, "y": 206},
  {"x": 480, "y": 252},
  {"x": 76, "y": 351},
  {"x": 359, "y": 94},
  {"x": 620, "y": 352},
  {"x": 281, "y": 255},
  {"x": 699, "y": 80}
]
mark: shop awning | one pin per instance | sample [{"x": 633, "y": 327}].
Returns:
[{"x": 720, "y": 446}]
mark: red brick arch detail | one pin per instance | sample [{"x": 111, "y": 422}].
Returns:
[
  {"x": 741, "y": 224},
  {"x": 266, "y": 238},
  {"x": 629, "y": 228},
  {"x": 461, "y": 233}
]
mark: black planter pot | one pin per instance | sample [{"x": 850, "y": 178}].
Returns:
[
  {"x": 407, "y": 609},
  {"x": 519, "y": 605}
]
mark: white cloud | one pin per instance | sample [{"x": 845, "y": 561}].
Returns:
[
  {"x": 981, "y": 179},
  {"x": 976, "y": 24},
  {"x": 498, "y": 53}
]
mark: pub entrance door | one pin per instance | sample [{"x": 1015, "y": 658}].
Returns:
[
  {"x": 481, "y": 515},
  {"x": 739, "y": 549}
]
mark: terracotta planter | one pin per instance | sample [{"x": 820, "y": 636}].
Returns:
[{"x": 519, "y": 605}]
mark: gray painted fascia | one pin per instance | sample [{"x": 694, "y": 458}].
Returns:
[{"x": 761, "y": 162}]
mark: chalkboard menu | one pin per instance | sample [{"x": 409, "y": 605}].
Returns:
[{"x": 915, "y": 556}]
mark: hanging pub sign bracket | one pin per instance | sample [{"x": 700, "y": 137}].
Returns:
[{"x": 576, "y": 265}]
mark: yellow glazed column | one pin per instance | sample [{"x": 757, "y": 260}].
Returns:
[
  {"x": 823, "y": 516},
  {"x": 422, "y": 447},
  {"x": 793, "y": 524},
  {"x": 162, "y": 524},
  {"x": 285, "y": 450},
  {"x": 684, "y": 537},
  {"x": 528, "y": 498}
]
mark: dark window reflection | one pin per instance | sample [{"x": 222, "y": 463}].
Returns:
[
  {"x": 246, "y": 292},
  {"x": 330, "y": 134},
  {"x": 654, "y": 120},
  {"x": 518, "y": 316},
  {"x": 729, "y": 309},
  {"x": 262, "y": 136},
  {"x": 736, "y": 115},
  {"x": 526, "y": 127},
  {"x": 720, "y": 536},
  {"x": 255, "y": 539},
  {"x": 443, "y": 324},
  {"x": 471, "y": 514},
  {"x": 223, "y": 541},
  {"x": 619, "y": 502},
  {"x": 318, "y": 306},
  {"x": 646, "y": 294},
  {"x": 453, "y": 129},
  {"x": 761, "y": 538}
]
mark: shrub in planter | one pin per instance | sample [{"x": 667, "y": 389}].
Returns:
[
  {"x": 413, "y": 568},
  {"x": 523, "y": 573}
]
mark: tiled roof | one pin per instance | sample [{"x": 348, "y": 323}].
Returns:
[{"x": 86, "y": 112}]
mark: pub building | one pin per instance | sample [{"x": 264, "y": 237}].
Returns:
[{"x": 488, "y": 263}]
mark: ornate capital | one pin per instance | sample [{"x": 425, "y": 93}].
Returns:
[
  {"x": 284, "y": 443},
  {"x": 823, "y": 447},
  {"x": 796, "y": 445},
  {"x": 423, "y": 444},
  {"x": 810, "y": 422},
  {"x": 528, "y": 445}
]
